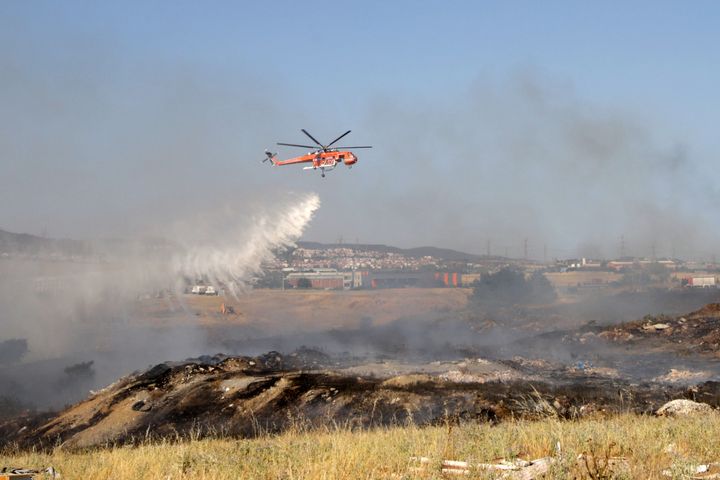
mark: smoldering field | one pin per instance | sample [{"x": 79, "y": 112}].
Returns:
[
  {"x": 167, "y": 363},
  {"x": 364, "y": 359},
  {"x": 129, "y": 313}
]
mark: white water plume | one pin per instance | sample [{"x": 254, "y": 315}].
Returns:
[{"x": 229, "y": 251}]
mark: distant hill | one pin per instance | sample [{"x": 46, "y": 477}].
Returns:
[
  {"x": 26, "y": 244},
  {"x": 435, "y": 252}
]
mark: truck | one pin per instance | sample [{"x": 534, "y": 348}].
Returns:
[{"x": 702, "y": 282}]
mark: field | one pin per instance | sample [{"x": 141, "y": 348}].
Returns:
[
  {"x": 311, "y": 309},
  {"x": 636, "y": 446}
]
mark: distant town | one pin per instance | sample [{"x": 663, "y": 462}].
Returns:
[
  {"x": 313, "y": 265},
  {"x": 347, "y": 267}
]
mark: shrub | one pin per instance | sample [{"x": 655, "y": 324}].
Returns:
[{"x": 510, "y": 287}]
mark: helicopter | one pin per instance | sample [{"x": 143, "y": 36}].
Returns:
[{"x": 323, "y": 157}]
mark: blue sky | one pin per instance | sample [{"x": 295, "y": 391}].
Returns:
[
  {"x": 330, "y": 66},
  {"x": 658, "y": 56}
]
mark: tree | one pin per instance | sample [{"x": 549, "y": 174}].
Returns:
[
  {"x": 510, "y": 287},
  {"x": 304, "y": 283}
]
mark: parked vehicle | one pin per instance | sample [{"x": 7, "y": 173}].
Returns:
[{"x": 702, "y": 282}]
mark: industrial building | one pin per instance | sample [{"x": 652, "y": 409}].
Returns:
[
  {"x": 326, "y": 279},
  {"x": 426, "y": 279},
  {"x": 331, "y": 279}
]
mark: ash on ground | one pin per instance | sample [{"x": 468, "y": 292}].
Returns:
[{"x": 572, "y": 373}]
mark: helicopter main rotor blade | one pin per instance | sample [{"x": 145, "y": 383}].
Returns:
[
  {"x": 341, "y": 136},
  {"x": 353, "y": 148},
  {"x": 311, "y": 147},
  {"x": 312, "y": 138}
]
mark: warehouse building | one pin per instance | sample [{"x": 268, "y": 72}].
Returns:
[
  {"x": 422, "y": 279},
  {"x": 325, "y": 279}
]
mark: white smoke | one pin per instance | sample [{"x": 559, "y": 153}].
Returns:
[{"x": 227, "y": 250}]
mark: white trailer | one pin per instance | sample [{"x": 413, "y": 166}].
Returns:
[{"x": 702, "y": 282}]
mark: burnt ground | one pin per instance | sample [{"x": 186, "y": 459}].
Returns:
[
  {"x": 245, "y": 396},
  {"x": 442, "y": 370},
  {"x": 695, "y": 333}
]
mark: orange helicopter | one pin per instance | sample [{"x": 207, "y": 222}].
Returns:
[{"x": 324, "y": 158}]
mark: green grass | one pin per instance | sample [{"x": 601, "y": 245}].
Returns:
[{"x": 649, "y": 444}]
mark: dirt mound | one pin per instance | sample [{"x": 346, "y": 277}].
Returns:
[
  {"x": 246, "y": 396},
  {"x": 697, "y": 332}
]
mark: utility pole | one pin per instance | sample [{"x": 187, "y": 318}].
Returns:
[{"x": 654, "y": 257}]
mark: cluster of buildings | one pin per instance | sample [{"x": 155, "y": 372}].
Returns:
[
  {"x": 338, "y": 267},
  {"x": 332, "y": 279},
  {"x": 614, "y": 265},
  {"x": 631, "y": 263},
  {"x": 343, "y": 258},
  {"x": 349, "y": 267}
]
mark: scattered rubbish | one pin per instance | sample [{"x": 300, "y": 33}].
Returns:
[
  {"x": 694, "y": 472},
  {"x": 9, "y": 473},
  {"x": 584, "y": 365},
  {"x": 696, "y": 332},
  {"x": 656, "y": 326},
  {"x": 511, "y": 470}
]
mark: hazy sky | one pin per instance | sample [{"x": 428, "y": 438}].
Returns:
[{"x": 570, "y": 124}]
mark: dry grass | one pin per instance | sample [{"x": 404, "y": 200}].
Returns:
[
  {"x": 313, "y": 309},
  {"x": 649, "y": 444}
]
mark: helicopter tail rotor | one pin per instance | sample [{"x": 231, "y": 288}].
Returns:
[{"x": 270, "y": 156}]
